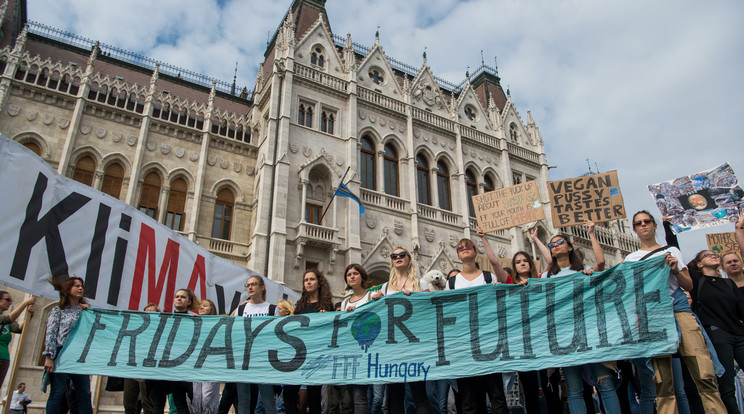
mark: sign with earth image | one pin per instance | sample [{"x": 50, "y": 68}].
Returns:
[{"x": 705, "y": 199}]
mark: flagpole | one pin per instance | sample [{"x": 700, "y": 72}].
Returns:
[{"x": 333, "y": 196}]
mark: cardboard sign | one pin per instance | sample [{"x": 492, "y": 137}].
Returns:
[
  {"x": 722, "y": 243},
  {"x": 508, "y": 207},
  {"x": 591, "y": 197}
]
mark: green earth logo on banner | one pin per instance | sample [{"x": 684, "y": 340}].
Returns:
[{"x": 365, "y": 329}]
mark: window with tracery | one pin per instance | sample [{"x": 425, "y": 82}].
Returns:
[
  {"x": 390, "y": 164},
  {"x": 85, "y": 169},
  {"x": 223, "y": 211},
  {"x": 443, "y": 186},
  {"x": 423, "y": 194}
]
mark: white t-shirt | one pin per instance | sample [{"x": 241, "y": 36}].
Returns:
[
  {"x": 384, "y": 288},
  {"x": 260, "y": 309},
  {"x": 563, "y": 272},
  {"x": 357, "y": 303},
  {"x": 461, "y": 282},
  {"x": 673, "y": 284}
]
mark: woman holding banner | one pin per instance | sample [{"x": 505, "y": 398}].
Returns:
[
  {"x": 404, "y": 278},
  {"x": 357, "y": 281},
  {"x": 692, "y": 346},
  {"x": 206, "y": 395},
  {"x": 59, "y": 325},
  {"x": 9, "y": 326},
  {"x": 567, "y": 262},
  {"x": 256, "y": 305},
  {"x": 524, "y": 269},
  {"x": 316, "y": 297}
]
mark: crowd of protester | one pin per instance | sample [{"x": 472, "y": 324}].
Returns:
[{"x": 699, "y": 378}]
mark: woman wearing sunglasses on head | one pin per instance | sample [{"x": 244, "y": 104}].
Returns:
[
  {"x": 567, "y": 262},
  {"x": 404, "y": 278},
  {"x": 692, "y": 345},
  {"x": 719, "y": 304}
]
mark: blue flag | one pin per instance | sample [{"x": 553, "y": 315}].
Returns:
[{"x": 344, "y": 191}]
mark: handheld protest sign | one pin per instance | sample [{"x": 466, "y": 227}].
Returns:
[
  {"x": 592, "y": 197},
  {"x": 722, "y": 243},
  {"x": 697, "y": 201},
  {"x": 508, "y": 207}
]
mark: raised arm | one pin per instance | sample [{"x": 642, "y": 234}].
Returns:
[
  {"x": 501, "y": 274},
  {"x": 17, "y": 311},
  {"x": 596, "y": 248},
  {"x": 669, "y": 236},
  {"x": 739, "y": 233},
  {"x": 544, "y": 251}
]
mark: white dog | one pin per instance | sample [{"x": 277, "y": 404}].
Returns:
[{"x": 436, "y": 279}]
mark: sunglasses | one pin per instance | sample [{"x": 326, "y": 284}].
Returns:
[
  {"x": 464, "y": 247},
  {"x": 401, "y": 255},
  {"x": 556, "y": 243},
  {"x": 644, "y": 221}
]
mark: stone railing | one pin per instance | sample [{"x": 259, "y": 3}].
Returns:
[
  {"x": 222, "y": 247},
  {"x": 481, "y": 137},
  {"x": 321, "y": 77},
  {"x": 377, "y": 98},
  {"x": 370, "y": 197},
  {"x": 317, "y": 234},
  {"x": 438, "y": 214},
  {"x": 432, "y": 119},
  {"x": 523, "y": 153},
  {"x": 606, "y": 237}
]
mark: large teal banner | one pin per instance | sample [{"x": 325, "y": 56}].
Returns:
[{"x": 621, "y": 313}]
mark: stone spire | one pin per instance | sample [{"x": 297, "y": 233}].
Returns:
[
  {"x": 20, "y": 45},
  {"x": 153, "y": 83},
  {"x": 259, "y": 78},
  {"x": 348, "y": 55}
]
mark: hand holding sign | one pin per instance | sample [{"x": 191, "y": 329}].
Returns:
[{"x": 508, "y": 207}]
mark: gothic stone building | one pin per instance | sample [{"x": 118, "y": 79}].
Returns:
[{"x": 248, "y": 175}]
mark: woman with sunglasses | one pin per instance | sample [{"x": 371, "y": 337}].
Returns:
[
  {"x": 567, "y": 262},
  {"x": 692, "y": 346},
  {"x": 404, "y": 278},
  {"x": 525, "y": 269},
  {"x": 719, "y": 304},
  {"x": 255, "y": 306}
]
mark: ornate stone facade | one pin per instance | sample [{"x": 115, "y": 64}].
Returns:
[{"x": 323, "y": 108}]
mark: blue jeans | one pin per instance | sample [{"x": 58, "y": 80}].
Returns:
[
  {"x": 265, "y": 392},
  {"x": 376, "y": 397},
  {"x": 59, "y": 386},
  {"x": 602, "y": 376},
  {"x": 683, "y": 406}
]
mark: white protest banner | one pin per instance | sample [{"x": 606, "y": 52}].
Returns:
[
  {"x": 508, "y": 207},
  {"x": 701, "y": 200},
  {"x": 53, "y": 224}
]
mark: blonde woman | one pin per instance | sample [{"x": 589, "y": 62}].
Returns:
[{"x": 404, "y": 278}]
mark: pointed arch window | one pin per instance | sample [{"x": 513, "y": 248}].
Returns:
[
  {"x": 443, "y": 186},
  {"x": 471, "y": 188},
  {"x": 305, "y": 115},
  {"x": 84, "y": 170},
  {"x": 113, "y": 177},
  {"x": 327, "y": 121},
  {"x": 316, "y": 58},
  {"x": 150, "y": 195},
  {"x": 176, "y": 211},
  {"x": 423, "y": 192},
  {"x": 390, "y": 164},
  {"x": 367, "y": 163},
  {"x": 488, "y": 184},
  {"x": 223, "y": 211},
  {"x": 513, "y": 133}
]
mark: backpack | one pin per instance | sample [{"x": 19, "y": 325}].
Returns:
[{"x": 486, "y": 276}]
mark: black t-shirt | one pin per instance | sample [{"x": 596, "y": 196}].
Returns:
[
  {"x": 309, "y": 308},
  {"x": 718, "y": 302}
]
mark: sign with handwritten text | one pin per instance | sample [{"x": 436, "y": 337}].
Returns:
[
  {"x": 508, "y": 207},
  {"x": 621, "y": 313},
  {"x": 591, "y": 197},
  {"x": 722, "y": 243}
]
